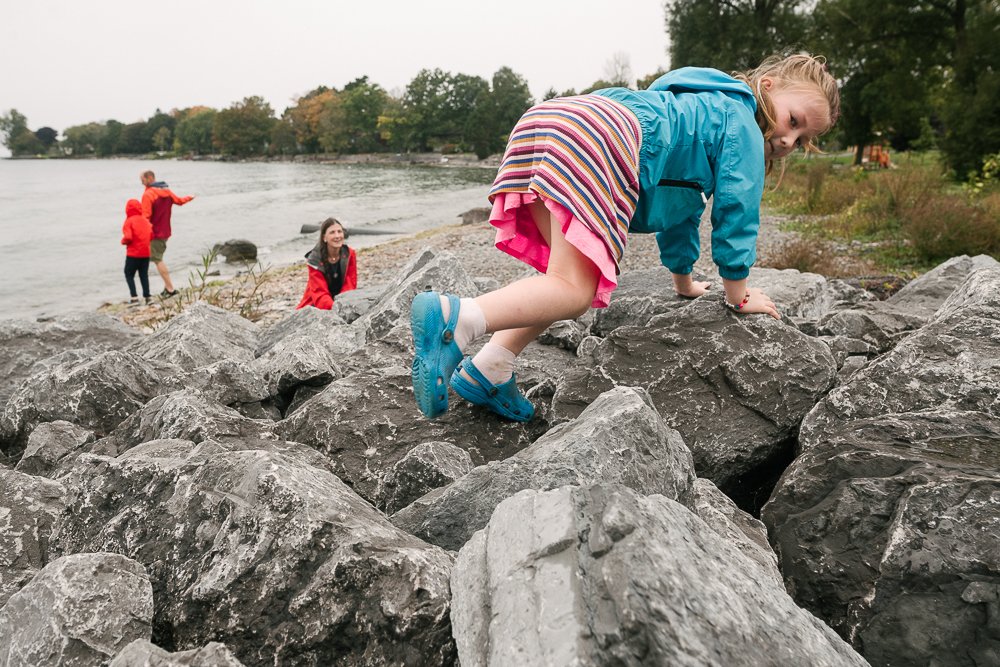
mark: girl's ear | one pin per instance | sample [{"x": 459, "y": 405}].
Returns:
[{"x": 766, "y": 83}]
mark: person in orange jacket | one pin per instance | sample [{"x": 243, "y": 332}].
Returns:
[
  {"x": 333, "y": 267},
  {"x": 136, "y": 234},
  {"x": 157, "y": 205}
]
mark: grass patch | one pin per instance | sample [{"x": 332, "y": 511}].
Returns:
[{"x": 902, "y": 220}]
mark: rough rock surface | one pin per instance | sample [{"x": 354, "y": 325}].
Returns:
[
  {"x": 735, "y": 387},
  {"x": 274, "y": 557},
  {"x": 23, "y": 343},
  {"x": 888, "y": 524},
  {"x": 28, "y": 507},
  {"x": 620, "y": 439},
  {"x": 201, "y": 335},
  {"x": 79, "y": 610},
  {"x": 142, "y": 653},
  {"x": 427, "y": 466},
  {"x": 97, "y": 394},
  {"x": 600, "y": 575},
  {"x": 49, "y": 443}
]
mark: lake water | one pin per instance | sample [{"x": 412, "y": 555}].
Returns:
[{"x": 60, "y": 220}]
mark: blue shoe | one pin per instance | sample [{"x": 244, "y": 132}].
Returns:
[
  {"x": 437, "y": 354},
  {"x": 504, "y": 399}
]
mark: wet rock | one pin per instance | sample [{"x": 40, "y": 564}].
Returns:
[
  {"x": 620, "y": 439},
  {"x": 237, "y": 251},
  {"x": 28, "y": 507},
  {"x": 266, "y": 553},
  {"x": 142, "y": 653},
  {"x": 79, "y": 610},
  {"x": 735, "y": 387},
  {"x": 892, "y": 511},
  {"x": 426, "y": 467},
  {"x": 353, "y": 304},
  {"x": 201, "y": 335},
  {"x": 320, "y": 325},
  {"x": 601, "y": 575},
  {"x": 49, "y": 443}
]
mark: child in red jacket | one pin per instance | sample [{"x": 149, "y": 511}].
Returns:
[{"x": 136, "y": 233}]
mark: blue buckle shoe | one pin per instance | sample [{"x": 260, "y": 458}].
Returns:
[
  {"x": 437, "y": 354},
  {"x": 503, "y": 399}
]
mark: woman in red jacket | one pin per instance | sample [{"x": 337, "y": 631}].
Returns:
[{"x": 333, "y": 267}]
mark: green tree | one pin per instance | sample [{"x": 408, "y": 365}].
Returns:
[
  {"x": 362, "y": 103},
  {"x": 732, "y": 34},
  {"x": 83, "y": 139},
  {"x": 244, "y": 128},
  {"x": 496, "y": 111},
  {"x": 110, "y": 141},
  {"x": 283, "y": 138},
  {"x": 135, "y": 139},
  {"x": 47, "y": 136},
  {"x": 16, "y": 135},
  {"x": 193, "y": 133},
  {"x": 305, "y": 117}
]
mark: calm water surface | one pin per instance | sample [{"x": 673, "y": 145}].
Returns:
[{"x": 60, "y": 220}]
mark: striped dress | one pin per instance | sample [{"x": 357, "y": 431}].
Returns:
[{"x": 580, "y": 155}]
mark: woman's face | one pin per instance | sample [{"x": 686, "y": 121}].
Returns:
[{"x": 334, "y": 236}]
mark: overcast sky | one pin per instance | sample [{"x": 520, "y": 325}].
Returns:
[{"x": 66, "y": 62}]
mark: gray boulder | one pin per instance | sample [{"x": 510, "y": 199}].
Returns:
[
  {"x": 601, "y": 575},
  {"x": 321, "y": 325},
  {"x": 49, "y": 443},
  {"x": 24, "y": 343},
  {"x": 97, "y": 394},
  {"x": 237, "y": 251},
  {"x": 426, "y": 467},
  {"x": 734, "y": 386},
  {"x": 199, "y": 336},
  {"x": 807, "y": 295},
  {"x": 367, "y": 421},
  {"x": 355, "y": 303},
  {"x": 924, "y": 295},
  {"x": 79, "y": 610},
  {"x": 28, "y": 508},
  {"x": 641, "y": 295},
  {"x": 142, "y": 653},
  {"x": 265, "y": 552},
  {"x": 619, "y": 439},
  {"x": 301, "y": 360},
  {"x": 887, "y": 524}
]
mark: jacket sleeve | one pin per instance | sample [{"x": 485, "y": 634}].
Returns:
[
  {"x": 351, "y": 278},
  {"x": 739, "y": 186},
  {"x": 317, "y": 293},
  {"x": 126, "y": 233},
  {"x": 180, "y": 201},
  {"x": 148, "y": 196}
]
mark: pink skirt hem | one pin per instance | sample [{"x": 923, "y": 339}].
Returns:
[{"x": 518, "y": 236}]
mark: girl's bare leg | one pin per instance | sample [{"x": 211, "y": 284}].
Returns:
[{"x": 519, "y": 312}]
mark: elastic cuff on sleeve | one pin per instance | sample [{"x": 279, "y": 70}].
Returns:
[{"x": 734, "y": 273}]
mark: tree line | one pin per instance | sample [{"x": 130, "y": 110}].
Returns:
[
  {"x": 437, "y": 111},
  {"x": 914, "y": 73}
]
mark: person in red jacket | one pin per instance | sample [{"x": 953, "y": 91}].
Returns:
[
  {"x": 333, "y": 267},
  {"x": 136, "y": 234},
  {"x": 157, "y": 205}
]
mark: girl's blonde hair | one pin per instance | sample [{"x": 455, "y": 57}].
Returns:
[{"x": 801, "y": 72}]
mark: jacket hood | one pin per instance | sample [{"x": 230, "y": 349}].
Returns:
[
  {"x": 704, "y": 79},
  {"x": 314, "y": 256},
  {"x": 133, "y": 207},
  {"x": 158, "y": 184}
]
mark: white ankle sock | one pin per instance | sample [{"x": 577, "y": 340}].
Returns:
[
  {"x": 471, "y": 321},
  {"x": 495, "y": 362}
]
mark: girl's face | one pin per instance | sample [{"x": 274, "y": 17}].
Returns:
[
  {"x": 800, "y": 116},
  {"x": 334, "y": 236}
]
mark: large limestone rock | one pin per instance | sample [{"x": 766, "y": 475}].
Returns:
[
  {"x": 49, "y": 443},
  {"x": 600, "y": 575},
  {"x": 265, "y": 552},
  {"x": 619, "y": 439},
  {"x": 366, "y": 422},
  {"x": 79, "y": 610},
  {"x": 324, "y": 326},
  {"x": 888, "y": 524},
  {"x": 199, "y": 336},
  {"x": 735, "y": 387},
  {"x": 142, "y": 653},
  {"x": 428, "y": 466},
  {"x": 97, "y": 394},
  {"x": 28, "y": 508},
  {"x": 24, "y": 343}
]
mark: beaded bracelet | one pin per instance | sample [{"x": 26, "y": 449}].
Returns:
[{"x": 737, "y": 306}]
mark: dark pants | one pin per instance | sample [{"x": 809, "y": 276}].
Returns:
[{"x": 132, "y": 265}]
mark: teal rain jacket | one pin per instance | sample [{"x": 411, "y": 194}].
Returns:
[{"x": 699, "y": 139}]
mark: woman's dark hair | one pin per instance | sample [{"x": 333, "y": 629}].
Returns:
[{"x": 322, "y": 233}]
